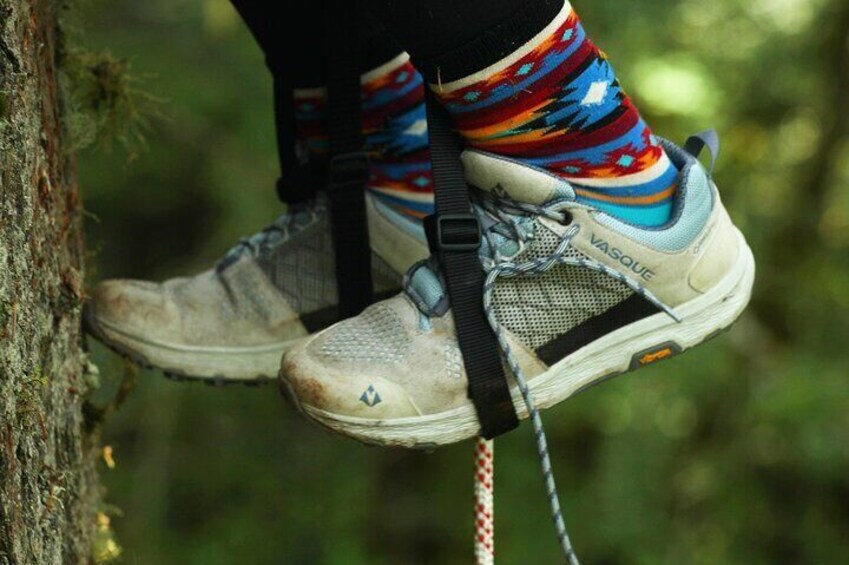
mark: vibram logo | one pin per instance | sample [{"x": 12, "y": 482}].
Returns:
[
  {"x": 370, "y": 397},
  {"x": 654, "y": 356}
]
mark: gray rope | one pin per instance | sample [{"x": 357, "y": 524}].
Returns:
[
  {"x": 537, "y": 267},
  {"x": 498, "y": 215},
  {"x": 507, "y": 269}
]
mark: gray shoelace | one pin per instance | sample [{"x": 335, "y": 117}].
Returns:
[
  {"x": 504, "y": 218},
  {"x": 278, "y": 231}
]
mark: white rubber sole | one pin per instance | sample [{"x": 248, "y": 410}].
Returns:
[
  {"x": 628, "y": 348},
  {"x": 217, "y": 365}
]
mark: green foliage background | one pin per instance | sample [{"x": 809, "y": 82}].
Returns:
[{"x": 735, "y": 453}]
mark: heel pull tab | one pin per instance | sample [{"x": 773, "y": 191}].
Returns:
[{"x": 696, "y": 143}]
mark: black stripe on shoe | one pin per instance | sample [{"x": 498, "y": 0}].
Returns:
[{"x": 630, "y": 310}]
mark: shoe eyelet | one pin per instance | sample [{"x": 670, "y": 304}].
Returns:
[{"x": 567, "y": 218}]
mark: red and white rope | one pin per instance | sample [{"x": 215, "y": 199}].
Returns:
[{"x": 484, "y": 502}]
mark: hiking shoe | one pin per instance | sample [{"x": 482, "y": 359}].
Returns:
[
  {"x": 582, "y": 296},
  {"x": 234, "y": 321}
]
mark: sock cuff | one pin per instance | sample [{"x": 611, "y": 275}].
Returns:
[
  {"x": 369, "y": 76},
  {"x": 494, "y": 45},
  {"x": 382, "y": 70}
]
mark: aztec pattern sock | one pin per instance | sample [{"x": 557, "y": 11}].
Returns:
[
  {"x": 395, "y": 132},
  {"x": 555, "y": 103}
]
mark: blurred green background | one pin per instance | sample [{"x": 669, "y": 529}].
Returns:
[{"x": 735, "y": 453}]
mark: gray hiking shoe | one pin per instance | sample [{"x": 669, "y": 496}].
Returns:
[
  {"x": 573, "y": 293},
  {"x": 234, "y": 321}
]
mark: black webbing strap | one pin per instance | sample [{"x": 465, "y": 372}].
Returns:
[
  {"x": 454, "y": 234},
  {"x": 297, "y": 181},
  {"x": 348, "y": 166}
]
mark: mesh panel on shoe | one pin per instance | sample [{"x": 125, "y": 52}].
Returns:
[
  {"x": 539, "y": 308},
  {"x": 246, "y": 297},
  {"x": 303, "y": 268},
  {"x": 375, "y": 336}
]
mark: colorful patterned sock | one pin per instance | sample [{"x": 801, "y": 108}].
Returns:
[
  {"x": 395, "y": 131},
  {"x": 556, "y": 104}
]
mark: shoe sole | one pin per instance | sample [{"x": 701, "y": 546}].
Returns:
[
  {"x": 252, "y": 366},
  {"x": 634, "y": 346}
]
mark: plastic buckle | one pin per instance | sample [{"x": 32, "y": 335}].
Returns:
[
  {"x": 347, "y": 170},
  {"x": 453, "y": 232}
]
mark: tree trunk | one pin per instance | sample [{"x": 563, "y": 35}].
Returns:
[{"x": 49, "y": 490}]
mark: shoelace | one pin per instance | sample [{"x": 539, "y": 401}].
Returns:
[
  {"x": 504, "y": 217},
  {"x": 279, "y": 230}
]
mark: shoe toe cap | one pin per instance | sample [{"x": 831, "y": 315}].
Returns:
[
  {"x": 131, "y": 306},
  {"x": 337, "y": 392},
  {"x": 383, "y": 364}
]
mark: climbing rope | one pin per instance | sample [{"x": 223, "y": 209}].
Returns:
[
  {"x": 503, "y": 219},
  {"x": 484, "y": 502},
  {"x": 498, "y": 267}
]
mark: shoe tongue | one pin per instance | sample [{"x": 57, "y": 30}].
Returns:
[
  {"x": 518, "y": 181},
  {"x": 424, "y": 282},
  {"x": 502, "y": 177}
]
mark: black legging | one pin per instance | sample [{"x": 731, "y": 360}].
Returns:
[
  {"x": 294, "y": 53},
  {"x": 454, "y": 38},
  {"x": 296, "y": 46}
]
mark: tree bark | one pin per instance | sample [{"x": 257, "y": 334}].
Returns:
[{"x": 49, "y": 490}]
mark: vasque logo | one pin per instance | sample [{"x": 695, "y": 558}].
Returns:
[
  {"x": 370, "y": 397},
  {"x": 626, "y": 260}
]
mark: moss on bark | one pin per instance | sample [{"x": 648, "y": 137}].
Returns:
[{"x": 49, "y": 490}]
